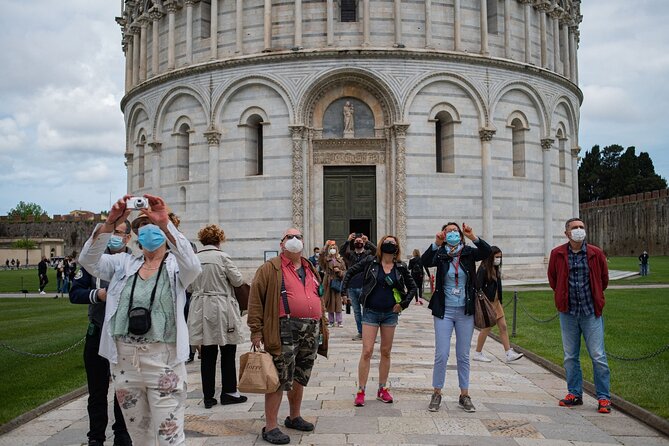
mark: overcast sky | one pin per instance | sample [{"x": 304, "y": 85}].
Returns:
[{"x": 61, "y": 81}]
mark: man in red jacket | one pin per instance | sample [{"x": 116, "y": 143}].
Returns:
[{"x": 578, "y": 274}]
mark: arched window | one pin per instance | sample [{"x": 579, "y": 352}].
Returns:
[
  {"x": 518, "y": 131},
  {"x": 349, "y": 11},
  {"x": 183, "y": 145},
  {"x": 445, "y": 142},
  {"x": 140, "y": 161},
  {"x": 254, "y": 145},
  {"x": 562, "y": 155}
]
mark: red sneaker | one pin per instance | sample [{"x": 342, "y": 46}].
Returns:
[
  {"x": 359, "y": 398},
  {"x": 384, "y": 395},
  {"x": 571, "y": 400},
  {"x": 604, "y": 406}
]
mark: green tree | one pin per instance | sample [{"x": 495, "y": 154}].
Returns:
[
  {"x": 615, "y": 171},
  {"x": 24, "y": 210},
  {"x": 24, "y": 244}
]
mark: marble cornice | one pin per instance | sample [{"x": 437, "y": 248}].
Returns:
[{"x": 358, "y": 53}]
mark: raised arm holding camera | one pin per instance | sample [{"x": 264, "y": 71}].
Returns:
[{"x": 144, "y": 334}]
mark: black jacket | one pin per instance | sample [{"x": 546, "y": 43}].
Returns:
[
  {"x": 489, "y": 287},
  {"x": 413, "y": 268},
  {"x": 370, "y": 268},
  {"x": 468, "y": 258}
]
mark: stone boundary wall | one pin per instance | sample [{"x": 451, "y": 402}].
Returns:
[{"x": 628, "y": 225}]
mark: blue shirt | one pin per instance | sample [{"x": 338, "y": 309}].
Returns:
[
  {"x": 580, "y": 294},
  {"x": 455, "y": 294}
]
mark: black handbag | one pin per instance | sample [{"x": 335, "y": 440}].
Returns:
[{"x": 335, "y": 285}]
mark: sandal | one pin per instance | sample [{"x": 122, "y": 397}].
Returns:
[
  {"x": 275, "y": 436},
  {"x": 299, "y": 423}
]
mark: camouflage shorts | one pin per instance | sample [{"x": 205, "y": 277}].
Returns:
[{"x": 297, "y": 358}]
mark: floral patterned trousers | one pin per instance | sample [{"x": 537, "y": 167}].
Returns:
[{"x": 151, "y": 389}]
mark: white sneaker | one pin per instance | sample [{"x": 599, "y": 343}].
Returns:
[
  {"x": 512, "y": 355},
  {"x": 480, "y": 356},
  {"x": 42, "y": 292}
]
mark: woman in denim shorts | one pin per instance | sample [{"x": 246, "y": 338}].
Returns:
[{"x": 387, "y": 289}]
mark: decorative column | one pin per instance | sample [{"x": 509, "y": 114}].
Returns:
[
  {"x": 457, "y": 23},
  {"x": 528, "y": 29},
  {"x": 365, "y": 22},
  {"x": 213, "y": 31},
  {"x": 428, "y": 24},
  {"x": 507, "y": 29},
  {"x": 329, "y": 5},
  {"x": 155, "y": 40},
  {"x": 155, "y": 166},
  {"x": 486, "y": 134},
  {"x": 573, "y": 31},
  {"x": 296, "y": 133},
  {"x": 127, "y": 49},
  {"x": 574, "y": 180},
  {"x": 171, "y": 20},
  {"x": 134, "y": 29},
  {"x": 400, "y": 183},
  {"x": 213, "y": 141},
  {"x": 143, "y": 57},
  {"x": 546, "y": 145},
  {"x": 398, "y": 24},
  {"x": 240, "y": 27},
  {"x": 542, "y": 7},
  {"x": 484, "y": 27},
  {"x": 555, "y": 16},
  {"x": 129, "y": 173},
  {"x": 298, "y": 24},
  {"x": 189, "y": 31},
  {"x": 565, "y": 21},
  {"x": 268, "y": 25}
]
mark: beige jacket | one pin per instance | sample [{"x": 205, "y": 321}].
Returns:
[{"x": 263, "y": 317}]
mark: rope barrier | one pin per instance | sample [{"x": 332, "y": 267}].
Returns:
[
  {"x": 541, "y": 321},
  {"x": 41, "y": 355},
  {"x": 640, "y": 358}
]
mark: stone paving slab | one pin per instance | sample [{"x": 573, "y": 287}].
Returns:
[{"x": 516, "y": 405}]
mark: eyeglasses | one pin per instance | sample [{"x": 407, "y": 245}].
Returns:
[
  {"x": 292, "y": 236},
  {"x": 120, "y": 233}
]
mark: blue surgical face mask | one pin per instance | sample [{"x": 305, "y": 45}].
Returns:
[
  {"x": 453, "y": 238},
  {"x": 115, "y": 243},
  {"x": 151, "y": 237}
]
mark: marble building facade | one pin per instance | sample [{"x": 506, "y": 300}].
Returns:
[{"x": 464, "y": 110}]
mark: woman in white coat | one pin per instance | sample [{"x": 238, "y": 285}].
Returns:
[
  {"x": 144, "y": 335},
  {"x": 214, "y": 319}
]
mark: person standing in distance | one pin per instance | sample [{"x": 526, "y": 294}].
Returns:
[
  {"x": 90, "y": 290},
  {"x": 41, "y": 273},
  {"x": 354, "y": 250},
  {"x": 578, "y": 274},
  {"x": 643, "y": 261},
  {"x": 288, "y": 317}
]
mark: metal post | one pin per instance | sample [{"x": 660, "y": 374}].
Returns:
[{"x": 515, "y": 313}]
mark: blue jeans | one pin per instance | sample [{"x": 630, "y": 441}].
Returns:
[
  {"x": 592, "y": 329},
  {"x": 354, "y": 295},
  {"x": 454, "y": 318},
  {"x": 644, "y": 269}
]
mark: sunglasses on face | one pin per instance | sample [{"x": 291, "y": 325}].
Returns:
[{"x": 292, "y": 236}]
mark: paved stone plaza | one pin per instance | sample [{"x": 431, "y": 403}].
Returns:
[{"x": 516, "y": 405}]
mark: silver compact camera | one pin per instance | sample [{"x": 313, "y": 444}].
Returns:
[{"x": 137, "y": 203}]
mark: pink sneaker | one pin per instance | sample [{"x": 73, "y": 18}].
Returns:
[
  {"x": 359, "y": 398},
  {"x": 384, "y": 395}
]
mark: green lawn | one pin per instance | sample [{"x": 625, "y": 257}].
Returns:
[
  {"x": 10, "y": 281},
  {"x": 39, "y": 325},
  {"x": 659, "y": 269},
  {"x": 637, "y": 323}
]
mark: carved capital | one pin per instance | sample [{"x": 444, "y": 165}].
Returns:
[
  {"x": 555, "y": 13},
  {"x": 156, "y": 146},
  {"x": 213, "y": 136},
  {"x": 128, "y": 157},
  {"x": 401, "y": 130},
  {"x": 296, "y": 131},
  {"x": 547, "y": 143},
  {"x": 190, "y": 2},
  {"x": 575, "y": 151},
  {"x": 156, "y": 14},
  {"x": 172, "y": 7},
  {"x": 133, "y": 28},
  {"x": 565, "y": 19},
  {"x": 542, "y": 6},
  {"x": 525, "y": 2},
  {"x": 486, "y": 134}
]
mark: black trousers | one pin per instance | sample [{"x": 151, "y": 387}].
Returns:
[
  {"x": 209, "y": 356},
  {"x": 43, "y": 280},
  {"x": 419, "y": 284},
  {"x": 97, "y": 376}
]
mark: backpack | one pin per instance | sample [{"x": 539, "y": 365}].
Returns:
[{"x": 417, "y": 268}]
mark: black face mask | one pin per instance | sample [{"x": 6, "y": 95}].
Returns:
[
  {"x": 389, "y": 248},
  {"x": 358, "y": 245}
]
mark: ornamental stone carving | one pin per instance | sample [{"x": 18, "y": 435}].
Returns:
[
  {"x": 400, "y": 182},
  {"x": 547, "y": 143},
  {"x": 345, "y": 158},
  {"x": 296, "y": 133},
  {"x": 213, "y": 136},
  {"x": 486, "y": 134},
  {"x": 575, "y": 151}
]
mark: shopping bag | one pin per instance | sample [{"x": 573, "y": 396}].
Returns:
[
  {"x": 485, "y": 315},
  {"x": 257, "y": 373}
]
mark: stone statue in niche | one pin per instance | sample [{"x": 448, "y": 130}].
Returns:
[{"x": 349, "y": 131}]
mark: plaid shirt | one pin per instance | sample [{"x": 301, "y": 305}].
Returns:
[{"x": 580, "y": 294}]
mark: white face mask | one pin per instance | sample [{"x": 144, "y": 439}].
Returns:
[
  {"x": 293, "y": 245},
  {"x": 578, "y": 234},
  {"x": 332, "y": 251},
  {"x": 497, "y": 261}
]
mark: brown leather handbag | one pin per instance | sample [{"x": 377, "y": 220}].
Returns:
[
  {"x": 485, "y": 315},
  {"x": 242, "y": 296}
]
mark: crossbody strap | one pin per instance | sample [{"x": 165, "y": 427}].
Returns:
[{"x": 155, "y": 286}]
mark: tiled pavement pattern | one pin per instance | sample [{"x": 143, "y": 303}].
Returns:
[{"x": 516, "y": 405}]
